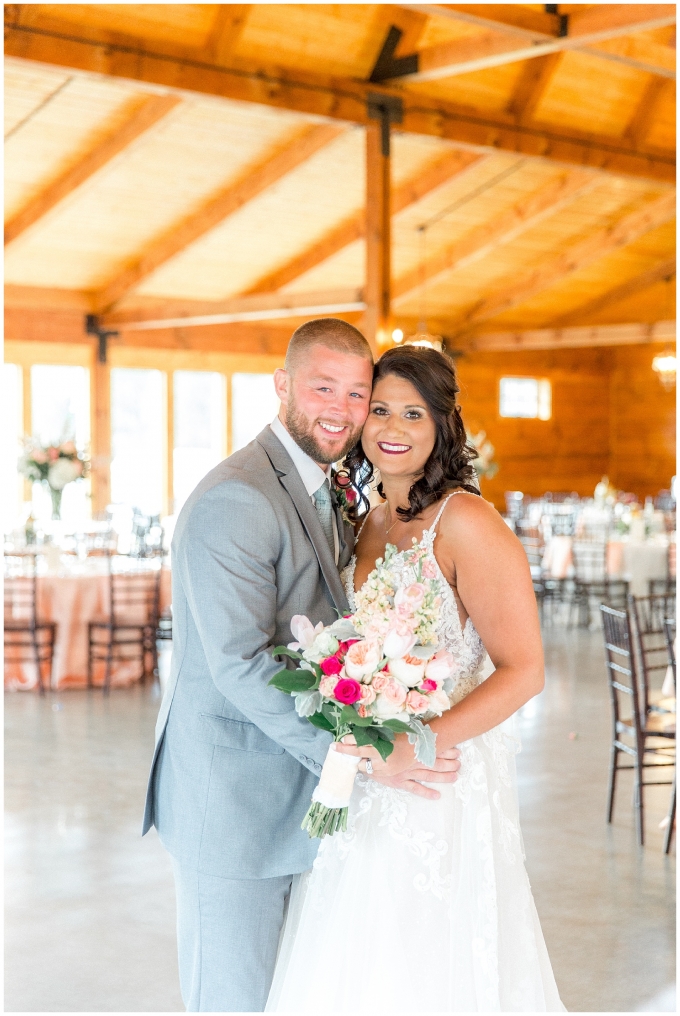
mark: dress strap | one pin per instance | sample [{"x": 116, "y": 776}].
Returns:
[
  {"x": 356, "y": 538},
  {"x": 431, "y": 530}
]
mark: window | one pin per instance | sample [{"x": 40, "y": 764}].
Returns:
[
  {"x": 254, "y": 404},
  {"x": 10, "y": 449},
  {"x": 525, "y": 397},
  {"x": 199, "y": 429},
  {"x": 138, "y": 438},
  {"x": 60, "y": 411}
]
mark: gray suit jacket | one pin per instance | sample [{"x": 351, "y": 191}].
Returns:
[{"x": 235, "y": 766}]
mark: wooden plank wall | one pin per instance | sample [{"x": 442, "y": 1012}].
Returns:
[
  {"x": 642, "y": 423},
  {"x": 609, "y": 415}
]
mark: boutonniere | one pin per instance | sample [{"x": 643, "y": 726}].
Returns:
[{"x": 345, "y": 494}]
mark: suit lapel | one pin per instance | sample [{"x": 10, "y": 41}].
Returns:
[{"x": 289, "y": 478}]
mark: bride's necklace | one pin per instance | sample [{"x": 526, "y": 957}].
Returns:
[{"x": 387, "y": 515}]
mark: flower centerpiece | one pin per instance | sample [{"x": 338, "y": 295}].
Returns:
[
  {"x": 484, "y": 462},
  {"x": 54, "y": 466},
  {"x": 373, "y": 674}
]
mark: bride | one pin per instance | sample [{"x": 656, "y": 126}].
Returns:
[{"x": 425, "y": 905}]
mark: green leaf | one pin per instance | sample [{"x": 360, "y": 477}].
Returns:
[
  {"x": 330, "y": 712},
  {"x": 350, "y": 715},
  {"x": 362, "y": 736},
  {"x": 385, "y": 748},
  {"x": 319, "y": 720},
  {"x": 398, "y": 726},
  {"x": 385, "y": 735},
  {"x": 285, "y": 651},
  {"x": 291, "y": 681}
]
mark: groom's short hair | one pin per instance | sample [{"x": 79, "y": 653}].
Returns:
[{"x": 332, "y": 332}]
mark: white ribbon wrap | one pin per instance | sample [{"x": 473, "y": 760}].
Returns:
[{"x": 337, "y": 779}]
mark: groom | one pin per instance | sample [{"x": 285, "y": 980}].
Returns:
[{"x": 260, "y": 539}]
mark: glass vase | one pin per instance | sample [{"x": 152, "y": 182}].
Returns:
[{"x": 56, "y": 502}]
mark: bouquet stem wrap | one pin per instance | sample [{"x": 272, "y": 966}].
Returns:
[{"x": 328, "y": 811}]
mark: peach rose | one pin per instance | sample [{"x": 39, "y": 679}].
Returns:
[
  {"x": 362, "y": 660},
  {"x": 409, "y": 670},
  {"x": 327, "y": 686},
  {"x": 379, "y": 683},
  {"x": 368, "y": 694},
  {"x": 417, "y": 703}
]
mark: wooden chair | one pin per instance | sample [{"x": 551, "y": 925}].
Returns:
[
  {"x": 592, "y": 580},
  {"x": 627, "y": 717},
  {"x": 129, "y": 632},
  {"x": 31, "y": 639},
  {"x": 648, "y": 615},
  {"x": 660, "y": 587},
  {"x": 669, "y": 631},
  {"x": 546, "y": 589}
]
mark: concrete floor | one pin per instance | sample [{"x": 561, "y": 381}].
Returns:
[{"x": 90, "y": 905}]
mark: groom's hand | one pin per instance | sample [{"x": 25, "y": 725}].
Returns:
[{"x": 402, "y": 771}]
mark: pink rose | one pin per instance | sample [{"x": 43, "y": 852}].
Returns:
[
  {"x": 379, "y": 682},
  {"x": 362, "y": 659},
  {"x": 327, "y": 686},
  {"x": 53, "y": 454},
  {"x": 362, "y": 711},
  {"x": 429, "y": 569},
  {"x": 350, "y": 494},
  {"x": 368, "y": 694},
  {"x": 390, "y": 703},
  {"x": 417, "y": 703},
  {"x": 347, "y": 691},
  {"x": 39, "y": 456},
  {"x": 428, "y": 685},
  {"x": 331, "y": 665}
]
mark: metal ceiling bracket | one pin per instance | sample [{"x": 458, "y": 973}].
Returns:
[
  {"x": 387, "y": 66},
  {"x": 93, "y": 327},
  {"x": 388, "y": 109}
]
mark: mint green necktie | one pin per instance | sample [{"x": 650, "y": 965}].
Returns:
[{"x": 324, "y": 508}]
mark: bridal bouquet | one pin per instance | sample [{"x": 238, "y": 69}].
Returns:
[{"x": 375, "y": 673}]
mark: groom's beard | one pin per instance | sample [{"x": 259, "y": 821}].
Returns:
[{"x": 301, "y": 428}]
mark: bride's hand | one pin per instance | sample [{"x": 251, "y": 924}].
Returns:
[{"x": 401, "y": 770}]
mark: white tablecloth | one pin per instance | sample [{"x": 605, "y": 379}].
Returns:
[{"x": 636, "y": 561}]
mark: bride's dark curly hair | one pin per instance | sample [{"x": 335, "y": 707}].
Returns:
[{"x": 449, "y": 466}]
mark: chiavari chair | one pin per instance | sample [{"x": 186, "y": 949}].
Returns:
[
  {"x": 592, "y": 580},
  {"x": 648, "y": 615},
  {"x": 630, "y": 735},
  {"x": 129, "y": 631},
  {"x": 666, "y": 586},
  {"x": 669, "y": 631},
  {"x": 29, "y": 638}
]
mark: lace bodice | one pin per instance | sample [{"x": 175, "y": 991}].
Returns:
[{"x": 462, "y": 641}]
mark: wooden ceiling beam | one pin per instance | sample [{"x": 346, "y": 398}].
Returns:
[
  {"x": 553, "y": 271},
  {"x": 140, "y": 120},
  {"x": 226, "y": 30},
  {"x": 638, "y": 284},
  {"x": 276, "y": 164},
  {"x": 354, "y": 226},
  {"x": 644, "y": 115},
  {"x": 532, "y": 84},
  {"x": 566, "y": 338},
  {"x": 264, "y": 307},
  {"x": 45, "y": 298},
  {"x": 482, "y": 241},
  {"x": 507, "y": 37},
  {"x": 320, "y": 95}
]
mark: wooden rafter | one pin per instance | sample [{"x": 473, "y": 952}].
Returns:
[
  {"x": 318, "y": 94},
  {"x": 139, "y": 121},
  {"x": 265, "y": 307},
  {"x": 230, "y": 20},
  {"x": 354, "y": 226},
  {"x": 638, "y": 284},
  {"x": 532, "y": 84},
  {"x": 509, "y": 35},
  {"x": 644, "y": 116},
  {"x": 565, "y": 338},
  {"x": 580, "y": 255},
  {"x": 479, "y": 242},
  {"x": 275, "y": 165}
]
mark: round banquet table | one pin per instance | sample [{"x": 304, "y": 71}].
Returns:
[
  {"x": 72, "y": 601},
  {"x": 638, "y": 561}
]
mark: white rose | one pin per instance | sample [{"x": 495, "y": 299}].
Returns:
[
  {"x": 325, "y": 644},
  {"x": 398, "y": 643},
  {"x": 61, "y": 472},
  {"x": 408, "y": 670},
  {"x": 383, "y": 709}
]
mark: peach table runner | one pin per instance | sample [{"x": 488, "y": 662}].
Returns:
[{"x": 638, "y": 561}]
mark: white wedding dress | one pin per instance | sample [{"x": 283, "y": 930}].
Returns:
[{"x": 422, "y": 906}]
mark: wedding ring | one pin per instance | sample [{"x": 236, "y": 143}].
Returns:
[{"x": 369, "y": 766}]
